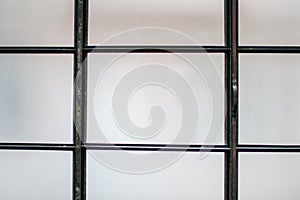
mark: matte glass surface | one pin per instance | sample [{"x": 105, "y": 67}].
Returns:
[
  {"x": 143, "y": 22},
  {"x": 36, "y": 98},
  {"x": 35, "y": 175},
  {"x": 269, "y": 99},
  {"x": 36, "y": 23},
  {"x": 269, "y": 176},
  {"x": 269, "y": 22},
  {"x": 188, "y": 178},
  {"x": 156, "y": 98}
]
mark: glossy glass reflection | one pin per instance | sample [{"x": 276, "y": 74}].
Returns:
[
  {"x": 35, "y": 175},
  {"x": 36, "y": 98},
  {"x": 36, "y": 23},
  {"x": 188, "y": 178},
  {"x": 156, "y": 98},
  {"x": 269, "y": 176},
  {"x": 269, "y": 22},
  {"x": 169, "y": 22},
  {"x": 269, "y": 99}
]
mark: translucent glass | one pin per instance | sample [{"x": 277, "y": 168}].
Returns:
[
  {"x": 36, "y": 98},
  {"x": 269, "y": 22},
  {"x": 269, "y": 99},
  {"x": 269, "y": 176},
  {"x": 169, "y": 22},
  {"x": 36, "y": 23},
  {"x": 156, "y": 98},
  {"x": 35, "y": 175},
  {"x": 188, "y": 178}
]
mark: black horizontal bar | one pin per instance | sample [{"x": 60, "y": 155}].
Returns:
[
  {"x": 155, "y": 49},
  {"x": 151, "y": 147},
  {"x": 268, "y": 49},
  {"x": 33, "y": 146},
  {"x": 268, "y": 148},
  {"x": 155, "y": 147},
  {"x": 29, "y": 50}
]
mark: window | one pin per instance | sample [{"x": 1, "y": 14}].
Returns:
[{"x": 112, "y": 99}]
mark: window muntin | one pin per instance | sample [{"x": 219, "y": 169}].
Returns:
[{"x": 81, "y": 48}]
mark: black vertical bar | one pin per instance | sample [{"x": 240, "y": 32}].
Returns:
[
  {"x": 84, "y": 94},
  {"x": 85, "y": 23},
  {"x": 228, "y": 93},
  {"x": 79, "y": 103},
  {"x": 231, "y": 179}
]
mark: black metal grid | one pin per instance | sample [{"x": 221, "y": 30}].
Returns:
[{"x": 80, "y": 50}]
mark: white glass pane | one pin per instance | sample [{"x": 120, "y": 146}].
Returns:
[
  {"x": 156, "y": 98},
  {"x": 269, "y": 99},
  {"x": 269, "y": 22},
  {"x": 188, "y": 178},
  {"x": 35, "y": 175},
  {"x": 169, "y": 22},
  {"x": 269, "y": 176},
  {"x": 36, "y": 98},
  {"x": 32, "y": 23}
]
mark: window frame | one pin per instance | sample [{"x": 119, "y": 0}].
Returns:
[{"x": 81, "y": 49}]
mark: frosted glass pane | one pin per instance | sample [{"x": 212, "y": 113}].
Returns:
[
  {"x": 156, "y": 98},
  {"x": 269, "y": 22},
  {"x": 269, "y": 176},
  {"x": 169, "y": 22},
  {"x": 188, "y": 178},
  {"x": 269, "y": 99},
  {"x": 35, "y": 175},
  {"x": 36, "y": 98},
  {"x": 36, "y": 23}
]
